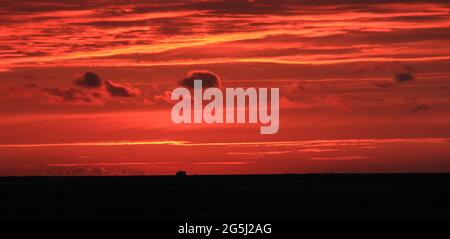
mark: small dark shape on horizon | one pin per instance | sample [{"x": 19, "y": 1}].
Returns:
[{"x": 181, "y": 173}]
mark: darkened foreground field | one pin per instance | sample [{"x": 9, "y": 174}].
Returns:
[{"x": 222, "y": 197}]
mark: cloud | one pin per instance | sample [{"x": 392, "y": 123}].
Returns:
[
  {"x": 415, "y": 106},
  {"x": 92, "y": 80},
  {"x": 384, "y": 84},
  {"x": 403, "y": 77},
  {"x": 74, "y": 95},
  {"x": 17, "y": 90},
  {"x": 138, "y": 27},
  {"x": 420, "y": 108},
  {"x": 89, "y": 80},
  {"x": 209, "y": 79},
  {"x": 164, "y": 98},
  {"x": 93, "y": 169},
  {"x": 339, "y": 158},
  {"x": 90, "y": 90},
  {"x": 115, "y": 89}
]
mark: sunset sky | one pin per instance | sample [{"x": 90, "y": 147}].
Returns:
[{"x": 85, "y": 86}]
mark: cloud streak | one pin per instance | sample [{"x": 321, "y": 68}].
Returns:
[
  {"x": 205, "y": 32},
  {"x": 316, "y": 143}
]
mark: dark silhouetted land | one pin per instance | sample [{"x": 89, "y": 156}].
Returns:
[{"x": 215, "y": 197}]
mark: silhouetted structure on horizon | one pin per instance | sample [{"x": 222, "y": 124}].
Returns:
[{"x": 181, "y": 173}]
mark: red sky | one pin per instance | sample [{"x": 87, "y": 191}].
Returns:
[{"x": 364, "y": 86}]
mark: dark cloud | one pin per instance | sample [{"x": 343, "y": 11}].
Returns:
[
  {"x": 420, "y": 108},
  {"x": 89, "y": 80},
  {"x": 209, "y": 79},
  {"x": 90, "y": 171},
  {"x": 403, "y": 77},
  {"x": 18, "y": 90},
  {"x": 90, "y": 91},
  {"x": 384, "y": 84},
  {"x": 115, "y": 89},
  {"x": 94, "y": 94},
  {"x": 73, "y": 95},
  {"x": 30, "y": 86},
  {"x": 92, "y": 80}
]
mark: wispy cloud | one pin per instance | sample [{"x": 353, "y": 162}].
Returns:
[
  {"x": 339, "y": 158},
  {"x": 167, "y": 33},
  {"x": 95, "y": 164},
  {"x": 309, "y": 143},
  {"x": 112, "y": 143},
  {"x": 223, "y": 163}
]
